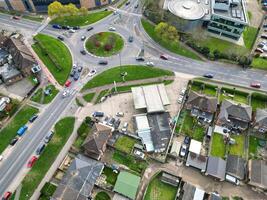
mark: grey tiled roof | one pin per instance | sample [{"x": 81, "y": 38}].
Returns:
[
  {"x": 258, "y": 173},
  {"x": 236, "y": 166},
  {"x": 216, "y": 167},
  {"x": 261, "y": 117}
]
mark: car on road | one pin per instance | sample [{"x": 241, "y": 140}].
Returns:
[
  {"x": 65, "y": 93},
  {"x": 56, "y": 26},
  {"x": 164, "y": 57},
  {"x": 80, "y": 68},
  {"x": 74, "y": 66},
  {"x": 14, "y": 141},
  {"x": 90, "y": 28},
  {"x": 75, "y": 27},
  {"x": 183, "y": 150},
  {"x": 120, "y": 114},
  {"x": 136, "y": 6},
  {"x": 68, "y": 83},
  {"x": 60, "y": 38},
  {"x": 83, "y": 38},
  {"x": 76, "y": 76},
  {"x": 72, "y": 73},
  {"x": 16, "y": 17},
  {"x": 103, "y": 62},
  {"x": 48, "y": 137},
  {"x": 140, "y": 58},
  {"x": 130, "y": 39},
  {"x": 92, "y": 72},
  {"x": 40, "y": 149},
  {"x": 32, "y": 161},
  {"x": 127, "y": 3},
  {"x": 98, "y": 114},
  {"x": 180, "y": 99},
  {"x": 72, "y": 31},
  {"x": 150, "y": 64},
  {"x": 187, "y": 140},
  {"x": 66, "y": 27},
  {"x": 255, "y": 85},
  {"x": 33, "y": 118},
  {"x": 7, "y": 196},
  {"x": 112, "y": 28},
  {"x": 22, "y": 130},
  {"x": 208, "y": 75},
  {"x": 83, "y": 52}
]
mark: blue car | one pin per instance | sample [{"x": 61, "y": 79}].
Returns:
[
  {"x": 56, "y": 26},
  {"x": 22, "y": 130}
]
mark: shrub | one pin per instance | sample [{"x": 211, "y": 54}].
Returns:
[
  {"x": 97, "y": 43},
  {"x": 108, "y": 47}
]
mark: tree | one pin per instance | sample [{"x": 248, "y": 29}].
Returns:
[
  {"x": 172, "y": 33},
  {"x": 83, "y": 11},
  {"x": 244, "y": 61},
  {"x": 161, "y": 29},
  {"x": 216, "y": 54},
  {"x": 166, "y": 32},
  {"x": 71, "y": 9},
  {"x": 54, "y": 8}
]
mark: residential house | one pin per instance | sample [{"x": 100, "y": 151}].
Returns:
[
  {"x": 260, "y": 123},
  {"x": 9, "y": 74},
  {"x": 197, "y": 161},
  {"x": 3, "y": 103},
  {"x": 190, "y": 192},
  {"x": 216, "y": 167},
  {"x": 235, "y": 116},
  {"x": 236, "y": 167},
  {"x": 79, "y": 180},
  {"x": 203, "y": 107},
  {"x": 95, "y": 144},
  {"x": 258, "y": 173}
]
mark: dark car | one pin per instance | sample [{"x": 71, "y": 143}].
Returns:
[
  {"x": 40, "y": 149},
  {"x": 255, "y": 85},
  {"x": 117, "y": 123},
  {"x": 83, "y": 52},
  {"x": 130, "y": 39},
  {"x": 187, "y": 140},
  {"x": 80, "y": 68},
  {"x": 103, "y": 62},
  {"x": 163, "y": 57},
  {"x": 127, "y": 3},
  {"x": 90, "y": 28},
  {"x": 111, "y": 121},
  {"x": 136, "y": 6},
  {"x": 76, "y": 28},
  {"x": 208, "y": 75},
  {"x": 66, "y": 27},
  {"x": 72, "y": 73},
  {"x": 14, "y": 141},
  {"x": 56, "y": 26},
  {"x": 76, "y": 76},
  {"x": 16, "y": 17},
  {"x": 264, "y": 26},
  {"x": 98, "y": 114},
  {"x": 60, "y": 38},
  {"x": 140, "y": 58},
  {"x": 33, "y": 118}
]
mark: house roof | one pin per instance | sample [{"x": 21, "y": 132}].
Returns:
[
  {"x": 258, "y": 173},
  {"x": 195, "y": 146},
  {"x": 192, "y": 193},
  {"x": 261, "y": 117},
  {"x": 235, "y": 110},
  {"x": 79, "y": 179},
  {"x": 236, "y": 166},
  {"x": 127, "y": 184},
  {"x": 197, "y": 161},
  {"x": 216, "y": 167},
  {"x": 202, "y": 102}
]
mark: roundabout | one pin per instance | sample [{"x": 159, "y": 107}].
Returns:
[{"x": 104, "y": 44}]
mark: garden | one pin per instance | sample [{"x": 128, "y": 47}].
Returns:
[
  {"x": 111, "y": 176},
  {"x": 158, "y": 190},
  {"x": 104, "y": 44},
  {"x": 218, "y": 147},
  {"x": 233, "y": 94},
  {"x": 237, "y": 148},
  {"x": 45, "y": 95},
  {"x": 255, "y": 144},
  {"x": 125, "y": 144},
  {"x": 258, "y": 100},
  {"x": 102, "y": 196},
  {"x": 204, "y": 88}
]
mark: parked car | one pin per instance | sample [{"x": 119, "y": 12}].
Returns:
[
  {"x": 74, "y": 66},
  {"x": 259, "y": 50},
  {"x": 103, "y": 62},
  {"x": 187, "y": 140},
  {"x": 264, "y": 36},
  {"x": 32, "y": 161},
  {"x": 83, "y": 52},
  {"x": 16, "y": 17},
  {"x": 208, "y": 75},
  {"x": 180, "y": 99},
  {"x": 90, "y": 28},
  {"x": 75, "y": 27},
  {"x": 56, "y": 26},
  {"x": 66, "y": 27},
  {"x": 7, "y": 195},
  {"x": 72, "y": 73},
  {"x": 68, "y": 83},
  {"x": 83, "y": 38},
  {"x": 150, "y": 64},
  {"x": 111, "y": 121},
  {"x": 76, "y": 76},
  {"x": 14, "y": 141},
  {"x": 232, "y": 179},
  {"x": 124, "y": 127},
  {"x": 65, "y": 93},
  {"x": 183, "y": 92},
  {"x": 130, "y": 39},
  {"x": 72, "y": 31},
  {"x": 40, "y": 149},
  {"x": 136, "y": 6},
  {"x": 164, "y": 57},
  {"x": 264, "y": 25},
  {"x": 48, "y": 137},
  {"x": 80, "y": 68},
  {"x": 139, "y": 154},
  {"x": 117, "y": 123},
  {"x": 183, "y": 150},
  {"x": 98, "y": 114},
  {"x": 92, "y": 72},
  {"x": 22, "y": 130},
  {"x": 120, "y": 114},
  {"x": 105, "y": 121},
  {"x": 127, "y": 3},
  {"x": 112, "y": 28},
  {"x": 33, "y": 118},
  {"x": 140, "y": 58},
  {"x": 255, "y": 85},
  {"x": 60, "y": 38}
]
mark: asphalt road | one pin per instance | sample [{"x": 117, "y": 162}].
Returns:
[{"x": 126, "y": 25}]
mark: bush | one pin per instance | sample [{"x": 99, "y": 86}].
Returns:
[
  {"x": 231, "y": 90},
  {"x": 48, "y": 189},
  {"x": 260, "y": 96},
  {"x": 83, "y": 129},
  {"x": 108, "y": 47}
]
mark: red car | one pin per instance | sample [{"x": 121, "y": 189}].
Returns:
[
  {"x": 32, "y": 161},
  {"x": 163, "y": 57},
  {"x": 7, "y": 195},
  {"x": 67, "y": 84},
  {"x": 16, "y": 17},
  {"x": 255, "y": 84}
]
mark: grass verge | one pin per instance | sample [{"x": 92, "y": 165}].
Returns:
[
  {"x": 54, "y": 92},
  {"x": 63, "y": 130},
  {"x": 88, "y": 97},
  {"x": 249, "y": 36},
  {"x": 259, "y": 63},
  {"x": 125, "y": 144}
]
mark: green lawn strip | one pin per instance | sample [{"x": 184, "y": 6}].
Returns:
[
  {"x": 80, "y": 104},
  {"x": 82, "y": 132},
  {"x": 102, "y": 196},
  {"x": 249, "y": 36},
  {"x": 33, "y": 18},
  {"x": 204, "y": 88},
  {"x": 218, "y": 147},
  {"x": 10, "y": 131},
  {"x": 48, "y": 190},
  {"x": 101, "y": 94},
  {"x": 258, "y": 100},
  {"x": 238, "y": 96},
  {"x": 88, "y": 97},
  {"x": 37, "y": 96},
  {"x": 253, "y": 145},
  {"x": 125, "y": 144},
  {"x": 260, "y": 63},
  {"x": 134, "y": 72},
  {"x": 54, "y": 92},
  {"x": 81, "y": 20},
  {"x": 96, "y": 44},
  {"x": 111, "y": 176},
  {"x": 238, "y": 147},
  {"x": 174, "y": 47},
  {"x": 63, "y": 130},
  {"x": 129, "y": 161},
  {"x": 158, "y": 190},
  {"x": 61, "y": 65}
]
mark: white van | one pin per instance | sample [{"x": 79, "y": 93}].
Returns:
[{"x": 232, "y": 179}]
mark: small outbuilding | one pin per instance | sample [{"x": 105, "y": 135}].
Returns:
[{"x": 195, "y": 146}]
